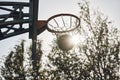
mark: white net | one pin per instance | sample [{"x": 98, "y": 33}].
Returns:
[{"x": 63, "y": 23}]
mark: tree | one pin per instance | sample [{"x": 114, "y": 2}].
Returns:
[
  {"x": 97, "y": 58},
  {"x": 13, "y": 65},
  {"x": 18, "y": 64}
]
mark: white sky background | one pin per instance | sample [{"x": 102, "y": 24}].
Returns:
[{"x": 48, "y": 8}]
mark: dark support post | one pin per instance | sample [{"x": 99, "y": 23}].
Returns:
[{"x": 33, "y": 33}]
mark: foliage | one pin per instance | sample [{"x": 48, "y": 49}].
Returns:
[
  {"x": 13, "y": 65},
  {"x": 18, "y": 64}
]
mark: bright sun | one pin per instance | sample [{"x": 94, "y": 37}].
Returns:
[{"x": 77, "y": 39}]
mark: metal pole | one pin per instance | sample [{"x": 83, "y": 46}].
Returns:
[{"x": 33, "y": 33}]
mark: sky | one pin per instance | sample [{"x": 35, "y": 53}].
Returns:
[{"x": 48, "y": 8}]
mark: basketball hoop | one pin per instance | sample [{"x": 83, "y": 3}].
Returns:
[{"x": 62, "y": 23}]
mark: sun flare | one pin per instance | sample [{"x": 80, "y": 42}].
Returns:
[{"x": 75, "y": 39}]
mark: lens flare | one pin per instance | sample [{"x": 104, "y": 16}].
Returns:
[{"x": 75, "y": 39}]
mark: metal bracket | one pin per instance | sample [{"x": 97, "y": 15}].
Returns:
[{"x": 11, "y": 24}]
